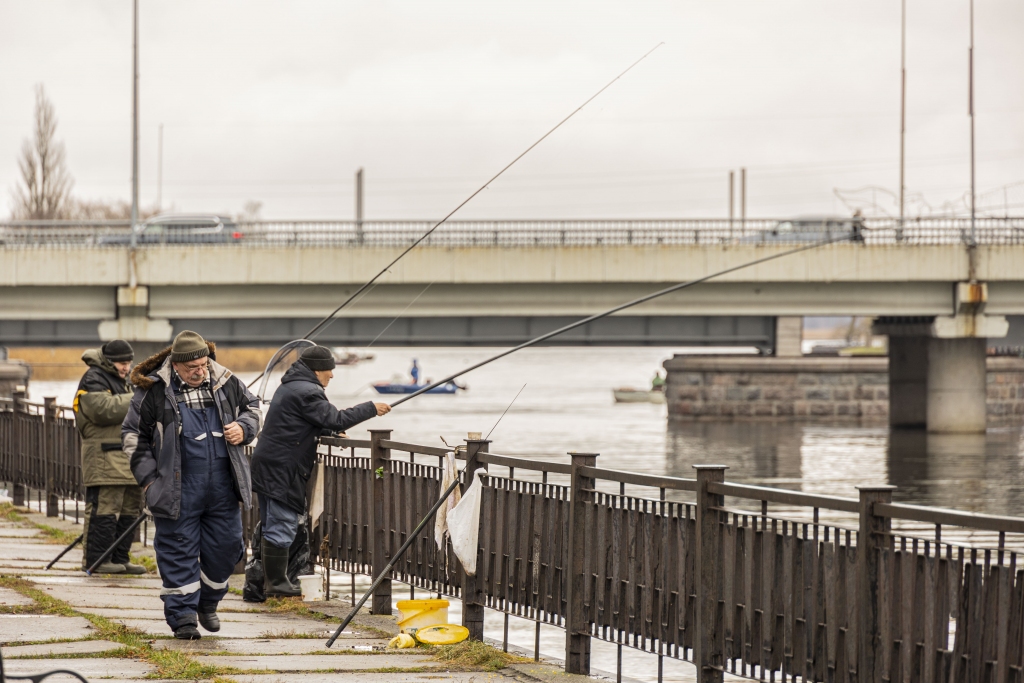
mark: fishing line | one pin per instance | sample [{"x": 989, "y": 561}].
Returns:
[
  {"x": 395, "y": 319},
  {"x": 320, "y": 325},
  {"x": 620, "y": 307}
]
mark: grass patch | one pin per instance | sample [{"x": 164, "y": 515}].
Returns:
[
  {"x": 473, "y": 655},
  {"x": 44, "y": 604},
  {"x": 146, "y": 561},
  {"x": 289, "y": 634},
  {"x": 55, "y": 535},
  {"x": 10, "y": 513},
  {"x": 181, "y": 665}
]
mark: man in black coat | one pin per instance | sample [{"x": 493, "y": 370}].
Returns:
[{"x": 286, "y": 452}]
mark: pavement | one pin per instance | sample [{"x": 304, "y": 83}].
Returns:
[{"x": 111, "y": 627}]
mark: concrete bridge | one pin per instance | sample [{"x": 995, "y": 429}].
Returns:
[{"x": 502, "y": 282}]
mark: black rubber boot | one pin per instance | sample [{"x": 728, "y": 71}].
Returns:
[
  {"x": 187, "y": 632},
  {"x": 208, "y": 618},
  {"x": 275, "y": 568}
]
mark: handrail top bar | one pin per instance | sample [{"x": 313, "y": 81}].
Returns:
[
  {"x": 974, "y": 520},
  {"x": 414, "y": 448},
  {"x": 652, "y": 480},
  {"x": 523, "y": 463},
  {"x": 344, "y": 442},
  {"x": 784, "y": 496}
]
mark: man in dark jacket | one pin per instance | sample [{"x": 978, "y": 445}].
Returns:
[
  {"x": 185, "y": 431},
  {"x": 286, "y": 453},
  {"x": 112, "y": 498}
]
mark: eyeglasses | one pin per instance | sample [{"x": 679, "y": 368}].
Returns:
[{"x": 193, "y": 368}]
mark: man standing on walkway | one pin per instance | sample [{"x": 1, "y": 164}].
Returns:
[
  {"x": 188, "y": 421},
  {"x": 112, "y": 498},
  {"x": 286, "y": 453}
]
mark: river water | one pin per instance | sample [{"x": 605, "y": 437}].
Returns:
[{"x": 567, "y": 405}]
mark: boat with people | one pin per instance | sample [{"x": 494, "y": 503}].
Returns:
[
  {"x": 402, "y": 388},
  {"x": 656, "y": 394}
]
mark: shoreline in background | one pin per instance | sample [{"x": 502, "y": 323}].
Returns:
[{"x": 65, "y": 363}]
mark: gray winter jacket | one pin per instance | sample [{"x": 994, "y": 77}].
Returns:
[{"x": 151, "y": 432}]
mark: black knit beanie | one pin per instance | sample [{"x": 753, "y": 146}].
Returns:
[
  {"x": 318, "y": 358},
  {"x": 117, "y": 351},
  {"x": 188, "y": 346}
]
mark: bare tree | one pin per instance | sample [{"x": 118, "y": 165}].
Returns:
[{"x": 45, "y": 192}]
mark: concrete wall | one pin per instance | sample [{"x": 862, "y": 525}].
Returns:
[{"x": 826, "y": 389}]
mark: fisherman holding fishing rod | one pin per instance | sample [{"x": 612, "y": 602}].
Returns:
[
  {"x": 185, "y": 431},
  {"x": 286, "y": 453}
]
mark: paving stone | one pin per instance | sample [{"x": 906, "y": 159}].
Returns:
[
  {"x": 158, "y": 615},
  {"x": 36, "y": 552},
  {"x": 90, "y": 668},
  {"x": 40, "y": 565},
  {"x": 320, "y": 662},
  {"x": 279, "y": 646},
  {"x": 10, "y": 598},
  {"x": 262, "y": 626},
  {"x": 75, "y": 647},
  {"x": 432, "y": 677},
  {"x": 104, "y": 581},
  {"x": 19, "y": 532},
  {"x": 16, "y": 628}
]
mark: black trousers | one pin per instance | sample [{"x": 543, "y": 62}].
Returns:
[{"x": 109, "y": 511}]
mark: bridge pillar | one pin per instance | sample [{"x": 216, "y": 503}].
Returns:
[
  {"x": 937, "y": 376},
  {"x": 789, "y": 335},
  {"x": 133, "y": 323}
]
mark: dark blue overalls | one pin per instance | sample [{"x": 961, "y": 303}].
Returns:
[{"x": 198, "y": 551}]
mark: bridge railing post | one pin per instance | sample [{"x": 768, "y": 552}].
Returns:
[
  {"x": 379, "y": 457},
  {"x": 708, "y": 656},
  {"x": 870, "y": 542},
  {"x": 577, "y": 638},
  {"x": 472, "y": 593},
  {"x": 50, "y": 454}
]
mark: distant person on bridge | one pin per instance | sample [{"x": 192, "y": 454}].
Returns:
[
  {"x": 286, "y": 453},
  {"x": 113, "y": 500},
  {"x": 414, "y": 371},
  {"x": 189, "y": 420}
]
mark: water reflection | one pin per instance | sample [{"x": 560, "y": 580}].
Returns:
[{"x": 974, "y": 472}]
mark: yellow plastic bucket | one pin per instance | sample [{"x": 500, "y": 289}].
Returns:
[
  {"x": 442, "y": 634},
  {"x": 416, "y": 614}
]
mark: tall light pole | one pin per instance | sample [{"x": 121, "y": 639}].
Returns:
[
  {"x": 970, "y": 113},
  {"x": 135, "y": 118},
  {"x": 359, "y": 206},
  {"x": 160, "y": 170},
  {"x": 903, "y": 103}
]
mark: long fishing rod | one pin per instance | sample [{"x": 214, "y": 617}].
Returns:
[
  {"x": 320, "y": 325},
  {"x": 620, "y": 307},
  {"x": 66, "y": 550},
  {"x": 411, "y": 539}
]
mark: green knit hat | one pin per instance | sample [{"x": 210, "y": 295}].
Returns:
[{"x": 188, "y": 345}]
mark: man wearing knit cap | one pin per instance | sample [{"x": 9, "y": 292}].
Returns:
[
  {"x": 188, "y": 422},
  {"x": 112, "y": 498},
  {"x": 286, "y": 452}
]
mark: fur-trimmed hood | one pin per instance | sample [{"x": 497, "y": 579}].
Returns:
[{"x": 157, "y": 368}]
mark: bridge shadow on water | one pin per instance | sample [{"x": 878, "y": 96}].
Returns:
[{"x": 972, "y": 472}]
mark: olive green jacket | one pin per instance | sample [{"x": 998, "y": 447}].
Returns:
[{"x": 101, "y": 404}]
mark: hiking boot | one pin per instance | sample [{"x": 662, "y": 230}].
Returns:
[
  {"x": 130, "y": 568},
  {"x": 275, "y": 568},
  {"x": 187, "y": 632},
  {"x": 109, "y": 568},
  {"x": 209, "y": 620}
]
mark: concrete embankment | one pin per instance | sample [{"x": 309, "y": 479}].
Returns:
[{"x": 811, "y": 388}]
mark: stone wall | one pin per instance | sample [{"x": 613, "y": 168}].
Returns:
[{"x": 809, "y": 388}]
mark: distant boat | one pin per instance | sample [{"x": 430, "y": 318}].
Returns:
[
  {"x": 395, "y": 388},
  {"x": 345, "y": 357},
  {"x": 631, "y": 395}
]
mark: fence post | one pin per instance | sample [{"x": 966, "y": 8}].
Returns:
[
  {"x": 19, "y": 491},
  {"x": 379, "y": 457},
  {"x": 577, "y": 638},
  {"x": 708, "y": 659},
  {"x": 472, "y": 596},
  {"x": 869, "y": 645},
  {"x": 49, "y": 453}
]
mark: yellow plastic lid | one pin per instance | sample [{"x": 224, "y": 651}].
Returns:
[
  {"x": 442, "y": 634},
  {"x": 406, "y": 605}
]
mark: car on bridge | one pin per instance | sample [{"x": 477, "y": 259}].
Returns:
[
  {"x": 181, "y": 229},
  {"x": 810, "y": 229}
]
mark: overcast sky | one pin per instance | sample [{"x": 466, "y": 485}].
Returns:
[{"x": 280, "y": 102}]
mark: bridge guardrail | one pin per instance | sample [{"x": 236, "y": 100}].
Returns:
[{"x": 517, "y": 233}]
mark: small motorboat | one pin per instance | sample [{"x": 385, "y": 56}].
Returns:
[
  {"x": 398, "y": 388},
  {"x": 631, "y": 395}
]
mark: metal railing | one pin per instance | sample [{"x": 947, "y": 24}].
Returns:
[
  {"x": 762, "y": 583},
  {"x": 511, "y": 233}
]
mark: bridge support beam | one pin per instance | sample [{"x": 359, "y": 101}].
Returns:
[
  {"x": 937, "y": 375},
  {"x": 133, "y": 323}
]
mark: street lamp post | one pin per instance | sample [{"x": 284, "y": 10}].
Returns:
[{"x": 135, "y": 120}]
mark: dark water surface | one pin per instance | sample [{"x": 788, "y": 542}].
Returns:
[{"x": 567, "y": 406}]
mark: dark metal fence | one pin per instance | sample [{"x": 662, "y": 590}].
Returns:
[
  {"x": 520, "y": 233},
  {"x": 762, "y": 583}
]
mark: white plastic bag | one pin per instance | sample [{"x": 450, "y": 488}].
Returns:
[
  {"x": 448, "y": 475},
  {"x": 464, "y": 525},
  {"x": 316, "y": 502}
]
